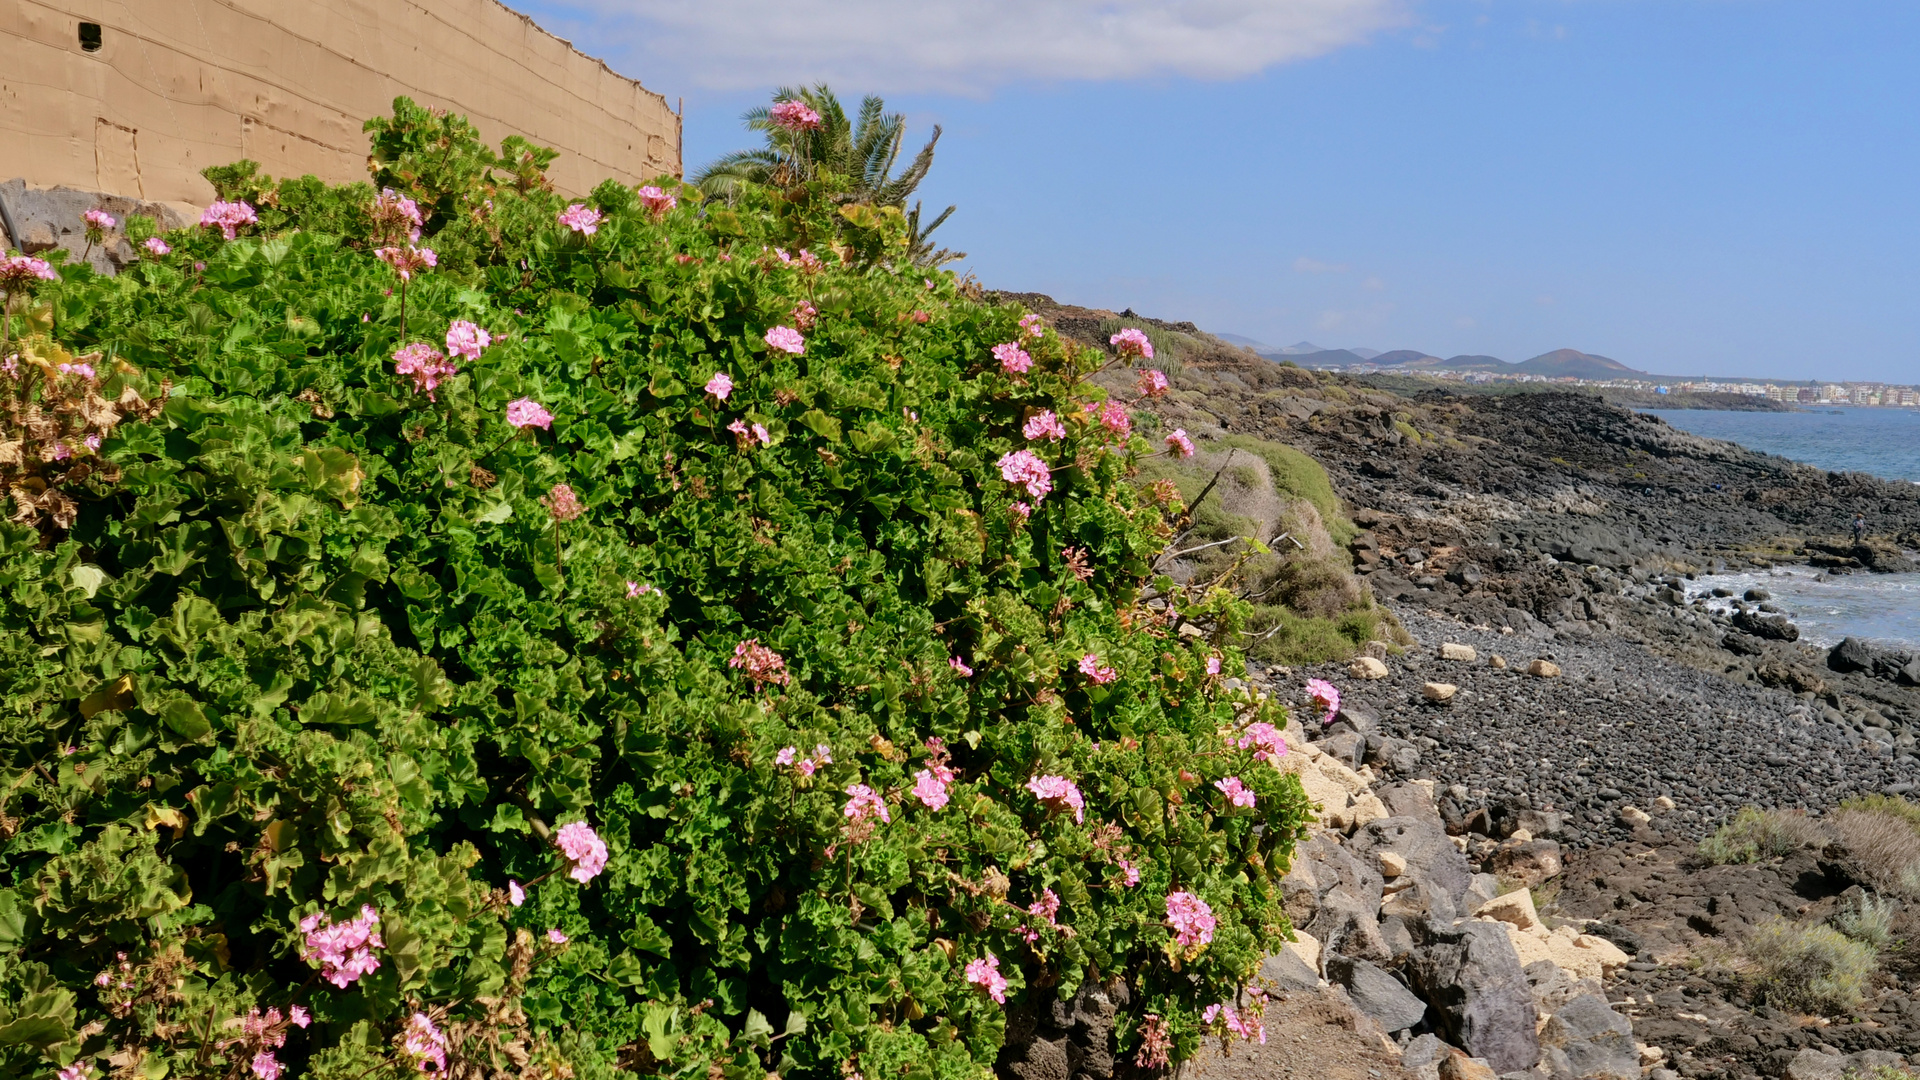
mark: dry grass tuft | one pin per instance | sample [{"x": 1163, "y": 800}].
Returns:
[
  {"x": 1812, "y": 968},
  {"x": 1883, "y": 848},
  {"x": 1756, "y": 835}
]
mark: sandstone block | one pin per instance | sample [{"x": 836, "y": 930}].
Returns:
[
  {"x": 1545, "y": 669},
  {"x": 1367, "y": 667},
  {"x": 1455, "y": 651},
  {"x": 1438, "y": 692}
]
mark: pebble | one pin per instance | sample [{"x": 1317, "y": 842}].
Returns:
[{"x": 1439, "y": 693}]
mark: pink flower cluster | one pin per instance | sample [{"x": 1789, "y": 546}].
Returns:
[
  {"x": 583, "y": 848},
  {"x": 1192, "y": 920},
  {"x": 657, "y": 201},
  {"x": 1113, "y": 416},
  {"x": 1025, "y": 469},
  {"x": 804, "y": 315},
  {"x": 82, "y": 370},
  {"x": 793, "y": 116},
  {"x": 1324, "y": 694},
  {"x": 930, "y": 783},
  {"x": 465, "y": 339},
  {"x": 1155, "y": 1043},
  {"x": 1266, "y": 741},
  {"x": 1013, "y": 359},
  {"x": 581, "y": 218},
  {"x": 1043, "y": 909},
  {"x": 1044, "y": 425},
  {"x": 526, "y": 412},
  {"x": 759, "y": 663},
  {"x": 265, "y": 1033},
  {"x": 228, "y": 216},
  {"x": 806, "y": 260},
  {"x": 1152, "y": 383},
  {"x": 1180, "y": 443},
  {"x": 1059, "y": 793},
  {"x": 786, "y": 339},
  {"x": 395, "y": 215},
  {"x": 1091, "y": 668},
  {"x": 426, "y": 1044},
  {"x": 407, "y": 261},
  {"x": 747, "y": 436},
  {"x": 1131, "y": 342},
  {"x": 100, "y": 219},
  {"x": 426, "y": 365},
  {"x": 1032, "y": 325},
  {"x": 19, "y": 269},
  {"x": 805, "y": 766},
  {"x": 863, "y": 803},
  {"x": 1236, "y": 792},
  {"x": 635, "y": 590},
  {"x": 344, "y": 951},
  {"x": 79, "y": 1070},
  {"x": 558, "y": 937},
  {"x": 960, "y": 667},
  {"x": 157, "y": 246},
  {"x": 562, "y": 503},
  {"x": 985, "y": 974},
  {"x": 1251, "y": 1027},
  {"x": 720, "y": 385},
  {"x": 1128, "y": 868}
]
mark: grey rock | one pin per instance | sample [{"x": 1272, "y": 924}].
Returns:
[
  {"x": 1811, "y": 1064},
  {"x": 1424, "y": 1051},
  {"x": 1471, "y": 976},
  {"x": 1541, "y": 823},
  {"x": 1393, "y": 931},
  {"x": 1771, "y": 627},
  {"x": 1349, "y": 748},
  {"x": 1597, "y": 1042},
  {"x": 1431, "y": 857},
  {"x": 1376, "y": 993},
  {"x": 1553, "y": 987},
  {"x": 51, "y": 217},
  {"x": 1037, "y": 1059},
  {"x": 1359, "y": 719},
  {"x": 1409, "y": 801},
  {"x": 1286, "y": 971},
  {"x": 1484, "y": 888}
]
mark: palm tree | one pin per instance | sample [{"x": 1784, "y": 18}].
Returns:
[{"x": 861, "y": 152}]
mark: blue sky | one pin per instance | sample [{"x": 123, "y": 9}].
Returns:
[{"x": 1687, "y": 186}]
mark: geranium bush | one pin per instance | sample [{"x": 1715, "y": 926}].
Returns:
[{"x": 647, "y": 635}]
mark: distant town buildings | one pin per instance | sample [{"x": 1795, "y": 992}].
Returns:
[{"x": 1869, "y": 394}]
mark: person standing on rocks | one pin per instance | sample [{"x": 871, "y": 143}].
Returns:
[{"x": 1859, "y": 529}]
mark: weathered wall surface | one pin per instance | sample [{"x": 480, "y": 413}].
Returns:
[{"x": 177, "y": 85}]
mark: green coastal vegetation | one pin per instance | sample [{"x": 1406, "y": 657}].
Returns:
[{"x": 450, "y": 627}]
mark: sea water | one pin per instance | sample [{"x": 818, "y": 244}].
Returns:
[
  {"x": 1884, "y": 441},
  {"x": 1828, "y": 607}
]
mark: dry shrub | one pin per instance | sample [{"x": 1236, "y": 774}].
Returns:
[
  {"x": 1812, "y": 969},
  {"x": 1867, "y": 919},
  {"x": 1883, "y": 849},
  {"x": 1756, "y": 835}
]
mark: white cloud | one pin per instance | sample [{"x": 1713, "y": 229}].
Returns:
[
  {"x": 1309, "y": 265},
  {"x": 971, "y": 46}
]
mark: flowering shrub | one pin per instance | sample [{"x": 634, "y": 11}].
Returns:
[{"x": 343, "y": 738}]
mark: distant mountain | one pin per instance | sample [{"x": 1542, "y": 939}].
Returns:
[
  {"x": 1244, "y": 342},
  {"x": 1365, "y": 354},
  {"x": 1325, "y": 358},
  {"x": 1562, "y": 362},
  {"x": 1407, "y": 358},
  {"x": 1477, "y": 363},
  {"x": 1302, "y": 348}
]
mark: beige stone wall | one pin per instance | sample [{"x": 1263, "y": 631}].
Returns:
[{"x": 178, "y": 85}]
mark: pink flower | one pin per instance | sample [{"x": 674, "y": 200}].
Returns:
[
  {"x": 1152, "y": 383},
  {"x": 1179, "y": 443},
  {"x": 1251, "y": 1027},
  {"x": 299, "y": 1016},
  {"x": 931, "y": 787},
  {"x": 1044, "y": 425},
  {"x": 760, "y": 663},
  {"x": 1191, "y": 918},
  {"x": 100, "y": 219},
  {"x": 985, "y": 974},
  {"x": 762, "y": 435},
  {"x": 1046, "y": 907},
  {"x": 525, "y": 412},
  {"x": 786, "y": 755},
  {"x": 1024, "y": 468},
  {"x": 562, "y": 503},
  {"x": 556, "y": 937},
  {"x": 808, "y": 766},
  {"x": 1022, "y": 511},
  {"x": 465, "y": 339},
  {"x": 426, "y": 1044},
  {"x": 407, "y": 261},
  {"x": 720, "y": 385},
  {"x": 803, "y": 315},
  {"x": 786, "y": 339},
  {"x": 864, "y": 803},
  {"x": 84, "y": 371},
  {"x": 20, "y": 269},
  {"x": 1090, "y": 667},
  {"x": 583, "y": 848},
  {"x": 1266, "y": 741},
  {"x": 228, "y": 216},
  {"x": 1127, "y": 867},
  {"x": 425, "y": 365},
  {"x": 344, "y": 951},
  {"x": 1032, "y": 325},
  {"x": 1154, "y": 1043},
  {"x": 79, "y": 1070},
  {"x": 1113, "y": 416},
  {"x": 1213, "y": 665},
  {"x": 157, "y": 246},
  {"x": 739, "y": 428},
  {"x": 1013, "y": 359},
  {"x": 265, "y": 1066},
  {"x": 823, "y": 753},
  {"x": 636, "y": 590},
  {"x": 920, "y": 316},
  {"x": 581, "y": 219},
  {"x": 394, "y": 214},
  {"x": 1059, "y": 793},
  {"x": 657, "y": 201},
  {"x": 1131, "y": 342},
  {"x": 793, "y": 116},
  {"x": 1235, "y": 791},
  {"x": 1322, "y": 693},
  {"x": 516, "y": 893},
  {"x": 960, "y": 666}
]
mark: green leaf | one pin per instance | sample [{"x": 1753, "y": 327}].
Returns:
[{"x": 184, "y": 717}]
